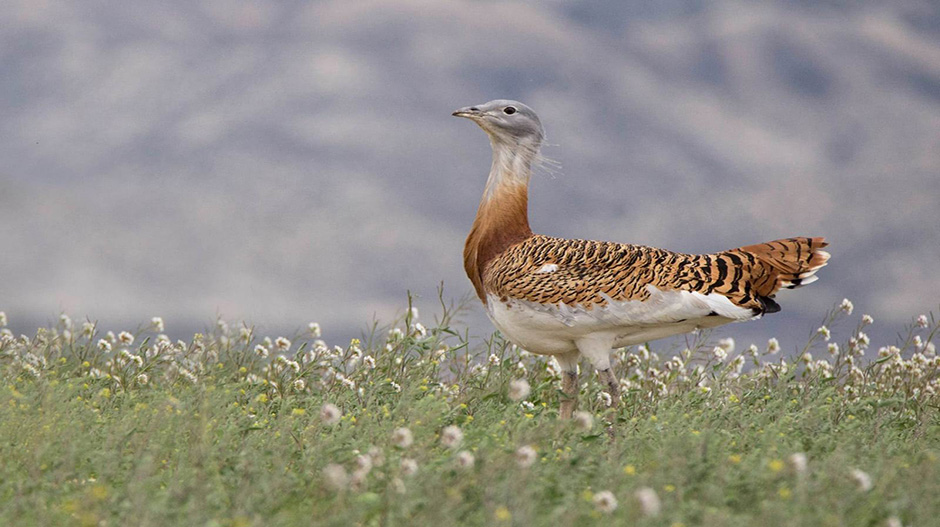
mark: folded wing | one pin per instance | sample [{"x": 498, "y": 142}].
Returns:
[{"x": 737, "y": 284}]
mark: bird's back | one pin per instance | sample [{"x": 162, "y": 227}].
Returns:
[{"x": 552, "y": 271}]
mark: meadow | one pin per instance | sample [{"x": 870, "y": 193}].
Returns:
[{"x": 415, "y": 424}]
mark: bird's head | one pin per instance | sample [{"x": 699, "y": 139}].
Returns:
[{"x": 506, "y": 122}]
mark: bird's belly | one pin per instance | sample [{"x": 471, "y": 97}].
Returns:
[{"x": 554, "y": 329}]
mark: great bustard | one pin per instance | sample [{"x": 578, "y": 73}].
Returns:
[{"x": 569, "y": 298}]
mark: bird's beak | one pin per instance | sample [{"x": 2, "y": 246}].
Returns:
[{"x": 470, "y": 112}]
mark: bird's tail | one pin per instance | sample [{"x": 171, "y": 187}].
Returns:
[{"x": 787, "y": 263}]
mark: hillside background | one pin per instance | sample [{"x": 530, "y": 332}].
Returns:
[{"x": 288, "y": 161}]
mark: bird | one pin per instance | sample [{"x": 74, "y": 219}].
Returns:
[{"x": 572, "y": 298}]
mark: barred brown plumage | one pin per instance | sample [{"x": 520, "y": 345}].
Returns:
[
  {"x": 580, "y": 297},
  {"x": 592, "y": 273}
]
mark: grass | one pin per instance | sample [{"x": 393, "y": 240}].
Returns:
[{"x": 218, "y": 431}]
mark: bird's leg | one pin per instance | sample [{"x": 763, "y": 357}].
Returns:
[
  {"x": 613, "y": 386},
  {"x": 613, "y": 390},
  {"x": 569, "y": 383},
  {"x": 597, "y": 349}
]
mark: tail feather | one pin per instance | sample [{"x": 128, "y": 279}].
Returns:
[{"x": 787, "y": 263}]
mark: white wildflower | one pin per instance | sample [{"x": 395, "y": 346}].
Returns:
[
  {"x": 798, "y": 462},
  {"x": 402, "y": 437},
  {"x": 493, "y": 359},
  {"x": 3, "y": 319},
  {"x": 244, "y": 333},
  {"x": 525, "y": 456},
  {"x": 409, "y": 467},
  {"x": 727, "y": 344},
  {"x": 398, "y": 486},
  {"x": 30, "y": 369},
  {"x": 605, "y": 399},
  {"x": 188, "y": 375},
  {"x": 922, "y": 321},
  {"x": 282, "y": 344},
  {"x": 887, "y": 351},
  {"x": 354, "y": 347},
  {"x": 824, "y": 331},
  {"x": 605, "y": 501},
  {"x": 773, "y": 347},
  {"x": 893, "y": 521},
  {"x": 752, "y": 350},
  {"x": 358, "y": 479},
  {"x": 846, "y": 306},
  {"x": 157, "y": 324},
  {"x": 583, "y": 420},
  {"x": 395, "y": 386},
  {"x": 719, "y": 354},
  {"x": 418, "y": 329},
  {"x": 465, "y": 460},
  {"x": 104, "y": 346},
  {"x": 330, "y": 414},
  {"x": 142, "y": 379},
  {"x": 737, "y": 364},
  {"x": 862, "y": 480},
  {"x": 126, "y": 338},
  {"x": 413, "y": 312},
  {"x": 833, "y": 349},
  {"x": 110, "y": 336},
  {"x": 314, "y": 330},
  {"x": 648, "y": 500},
  {"x": 261, "y": 351},
  {"x": 65, "y": 321},
  {"x": 519, "y": 389},
  {"x": 369, "y": 361},
  {"x": 863, "y": 339},
  {"x": 300, "y": 385},
  {"x": 363, "y": 463},
  {"x": 867, "y": 320},
  {"x": 395, "y": 334},
  {"x": 88, "y": 329},
  {"x": 451, "y": 436},
  {"x": 335, "y": 476},
  {"x": 377, "y": 456}
]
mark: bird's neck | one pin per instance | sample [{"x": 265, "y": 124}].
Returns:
[{"x": 503, "y": 218}]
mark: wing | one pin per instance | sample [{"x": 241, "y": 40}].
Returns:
[{"x": 736, "y": 284}]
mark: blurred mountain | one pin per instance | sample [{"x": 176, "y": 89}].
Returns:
[{"x": 289, "y": 161}]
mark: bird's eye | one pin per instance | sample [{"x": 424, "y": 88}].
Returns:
[{"x": 509, "y": 110}]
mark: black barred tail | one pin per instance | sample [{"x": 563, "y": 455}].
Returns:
[{"x": 788, "y": 263}]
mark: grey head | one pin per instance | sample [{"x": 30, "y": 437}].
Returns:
[{"x": 506, "y": 122}]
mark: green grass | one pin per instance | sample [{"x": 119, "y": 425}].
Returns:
[{"x": 219, "y": 435}]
